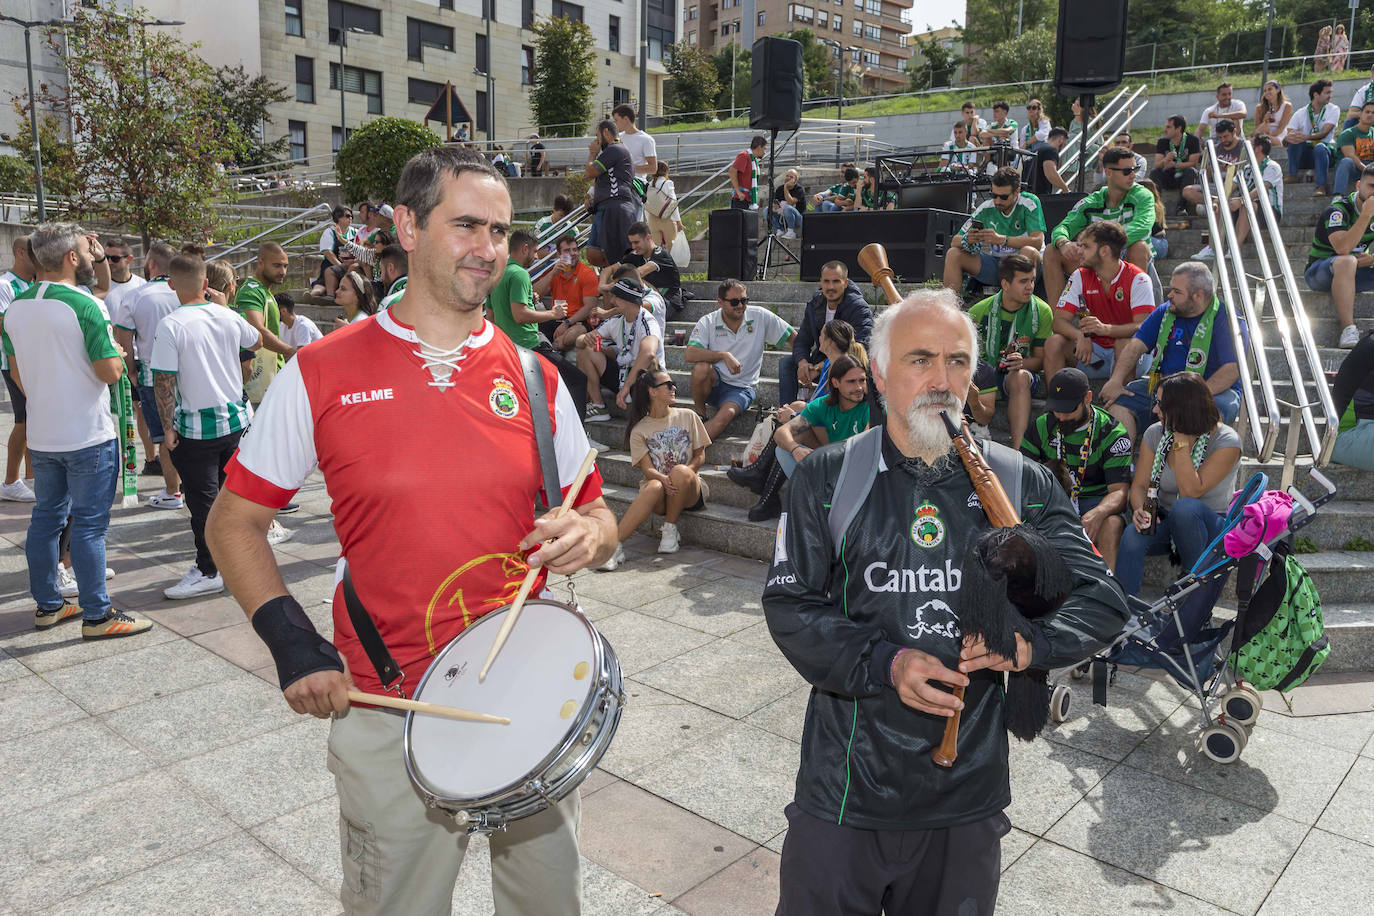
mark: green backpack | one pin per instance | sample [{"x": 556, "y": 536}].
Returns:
[{"x": 1281, "y": 641}]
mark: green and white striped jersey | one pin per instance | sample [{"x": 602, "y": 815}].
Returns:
[{"x": 200, "y": 344}]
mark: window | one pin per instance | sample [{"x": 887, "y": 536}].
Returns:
[
  {"x": 294, "y": 26},
  {"x": 692, "y": 37},
  {"x": 725, "y": 30},
  {"x": 620, "y": 96},
  {"x": 526, "y": 14},
  {"x": 305, "y": 79},
  {"x": 489, "y": 9},
  {"x": 822, "y": 18},
  {"x": 799, "y": 13},
  {"x": 336, "y": 137},
  {"x": 480, "y": 115},
  {"x": 662, "y": 38},
  {"x": 871, "y": 58},
  {"x": 420, "y": 34},
  {"x": 481, "y": 61},
  {"x": 445, "y": 4},
  {"x": 526, "y": 65},
  {"x": 901, "y": 40},
  {"x": 873, "y": 7},
  {"x": 343, "y": 15},
  {"x": 613, "y": 37},
  {"x": 363, "y": 82},
  {"x": 762, "y": 17},
  {"x": 837, "y": 24},
  {"x": 692, "y": 13},
  {"x": 422, "y": 92},
  {"x": 858, "y": 27},
  {"x": 295, "y": 135},
  {"x": 571, "y": 10},
  {"x": 872, "y": 32}
]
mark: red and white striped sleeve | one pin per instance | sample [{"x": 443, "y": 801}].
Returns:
[{"x": 277, "y": 453}]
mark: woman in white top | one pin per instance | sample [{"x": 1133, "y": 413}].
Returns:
[
  {"x": 358, "y": 298},
  {"x": 661, "y": 208},
  {"x": 1273, "y": 112}
]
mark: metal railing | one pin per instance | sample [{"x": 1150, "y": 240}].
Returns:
[
  {"x": 1115, "y": 116},
  {"x": 306, "y": 174},
  {"x": 321, "y": 221}
]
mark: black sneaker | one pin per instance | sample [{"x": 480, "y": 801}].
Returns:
[
  {"x": 151, "y": 468},
  {"x": 287, "y": 509}
]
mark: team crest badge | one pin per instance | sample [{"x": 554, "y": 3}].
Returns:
[
  {"x": 927, "y": 530},
  {"x": 1196, "y": 358},
  {"x": 749, "y": 326},
  {"x": 503, "y": 400},
  {"x": 1120, "y": 294}
]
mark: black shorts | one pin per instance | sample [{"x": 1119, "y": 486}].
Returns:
[
  {"x": 21, "y": 403},
  {"x": 613, "y": 221},
  {"x": 610, "y": 376}
]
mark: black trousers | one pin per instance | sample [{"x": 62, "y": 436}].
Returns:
[
  {"x": 573, "y": 378},
  {"x": 1169, "y": 180},
  {"x": 828, "y": 870},
  {"x": 200, "y": 462}
]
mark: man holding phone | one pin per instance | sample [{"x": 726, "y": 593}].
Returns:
[{"x": 1011, "y": 221}]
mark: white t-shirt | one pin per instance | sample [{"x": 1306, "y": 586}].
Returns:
[
  {"x": 641, "y": 146},
  {"x": 327, "y": 238},
  {"x": 301, "y": 332},
  {"x": 11, "y": 285},
  {"x": 117, "y": 302},
  {"x": 1236, "y": 111},
  {"x": 200, "y": 344},
  {"x": 757, "y": 330},
  {"x": 982, "y": 124},
  {"x": 1364, "y": 94},
  {"x": 1271, "y": 173},
  {"x": 1302, "y": 121},
  {"x": 1041, "y": 135},
  {"x": 966, "y": 155},
  {"x": 626, "y": 335},
  {"x": 54, "y": 332},
  {"x": 145, "y": 308}
]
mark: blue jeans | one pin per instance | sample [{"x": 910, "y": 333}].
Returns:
[
  {"x": 790, "y": 218},
  {"x": 80, "y": 484},
  {"x": 1355, "y": 447},
  {"x": 1318, "y": 275},
  {"x": 827, "y": 206},
  {"x": 1347, "y": 170},
  {"x": 787, "y": 379},
  {"x": 1190, "y": 524},
  {"x": 1301, "y": 156}
]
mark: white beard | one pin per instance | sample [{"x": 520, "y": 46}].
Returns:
[{"x": 926, "y": 432}]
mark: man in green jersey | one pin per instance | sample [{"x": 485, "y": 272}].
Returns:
[
  {"x": 1357, "y": 150},
  {"x": 1011, "y": 221},
  {"x": 14, "y": 281},
  {"x": 1339, "y": 261},
  {"x": 1002, "y": 127},
  {"x": 1120, "y": 200},
  {"x": 1014, "y": 324},
  {"x": 842, "y": 196},
  {"x": 255, "y": 302}
]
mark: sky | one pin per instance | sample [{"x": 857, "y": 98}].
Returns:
[{"x": 936, "y": 14}]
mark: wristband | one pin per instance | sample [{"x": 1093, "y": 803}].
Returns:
[
  {"x": 892, "y": 668},
  {"x": 99, "y": 260},
  {"x": 296, "y": 646}
]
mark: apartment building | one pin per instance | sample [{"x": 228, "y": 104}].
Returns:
[{"x": 873, "y": 33}]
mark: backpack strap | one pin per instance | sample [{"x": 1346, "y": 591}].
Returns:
[
  {"x": 543, "y": 428},
  {"x": 1006, "y": 463},
  {"x": 858, "y": 470}
]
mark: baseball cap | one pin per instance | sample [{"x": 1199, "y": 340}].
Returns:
[
  {"x": 385, "y": 210},
  {"x": 1066, "y": 390}
]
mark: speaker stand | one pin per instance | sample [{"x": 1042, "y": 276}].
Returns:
[
  {"x": 769, "y": 240},
  {"x": 1084, "y": 103}
]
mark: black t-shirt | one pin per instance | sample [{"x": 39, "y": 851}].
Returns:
[
  {"x": 537, "y": 155},
  {"x": 617, "y": 174},
  {"x": 666, "y": 277},
  {"x": 1191, "y": 146},
  {"x": 1044, "y": 152},
  {"x": 798, "y": 191}
]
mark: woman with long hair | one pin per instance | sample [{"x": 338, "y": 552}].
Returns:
[
  {"x": 1319, "y": 54},
  {"x": 1272, "y": 112},
  {"x": 358, "y": 298},
  {"x": 668, "y": 445},
  {"x": 1340, "y": 49},
  {"x": 1187, "y": 471},
  {"x": 664, "y": 226},
  {"x": 837, "y": 339}
]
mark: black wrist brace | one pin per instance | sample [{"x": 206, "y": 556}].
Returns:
[{"x": 296, "y": 646}]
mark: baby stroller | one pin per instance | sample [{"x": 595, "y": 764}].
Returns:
[{"x": 1177, "y": 633}]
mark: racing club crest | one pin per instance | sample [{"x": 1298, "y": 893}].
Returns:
[
  {"x": 503, "y": 400},
  {"x": 1120, "y": 294},
  {"x": 927, "y": 530}
]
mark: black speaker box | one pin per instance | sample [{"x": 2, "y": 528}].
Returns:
[
  {"x": 733, "y": 235},
  {"x": 916, "y": 241},
  {"x": 775, "y": 86},
  {"x": 1090, "y": 50},
  {"x": 936, "y": 195},
  {"x": 1055, "y": 208}
]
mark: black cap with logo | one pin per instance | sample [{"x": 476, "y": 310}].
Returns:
[{"x": 1066, "y": 390}]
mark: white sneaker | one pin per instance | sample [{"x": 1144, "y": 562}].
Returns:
[
  {"x": 601, "y": 447},
  {"x": 195, "y": 583},
  {"x": 165, "y": 500},
  {"x": 1206, "y": 254},
  {"x": 1349, "y": 337},
  {"x": 669, "y": 540},
  {"x": 109, "y": 574},
  {"x": 277, "y": 533},
  {"x": 790, "y": 234},
  {"x": 596, "y": 413},
  {"x": 616, "y": 559},
  {"x": 66, "y": 582},
  {"x": 18, "y": 492}
]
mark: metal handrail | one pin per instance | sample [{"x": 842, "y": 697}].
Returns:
[
  {"x": 1110, "y": 126},
  {"x": 1096, "y": 122},
  {"x": 1263, "y": 427},
  {"x": 276, "y": 227}
]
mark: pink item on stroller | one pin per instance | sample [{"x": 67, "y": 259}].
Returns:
[{"x": 1261, "y": 521}]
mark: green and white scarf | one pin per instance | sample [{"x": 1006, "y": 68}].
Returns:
[
  {"x": 1022, "y": 325},
  {"x": 121, "y": 396},
  {"x": 1162, "y": 453},
  {"x": 1201, "y": 342},
  {"x": 754, "y": 184}
]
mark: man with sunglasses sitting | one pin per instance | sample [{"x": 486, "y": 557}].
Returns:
[
  {"x": 1011, "y": 221},
  {"x": 1120, "y": 200},
  {"x": 726, "y": 354}
]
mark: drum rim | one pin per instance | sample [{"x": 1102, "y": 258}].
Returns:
[{"x": 570, "y": 737}]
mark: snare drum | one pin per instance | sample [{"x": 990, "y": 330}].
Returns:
[{"x": 557, "y": 680}]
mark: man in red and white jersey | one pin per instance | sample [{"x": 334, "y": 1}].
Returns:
[
  {"x": 1102, "y": 307},
  {"x": 433, "y": 373}
]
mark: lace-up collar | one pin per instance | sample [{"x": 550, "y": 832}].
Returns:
[{"x": 442, "y": 364}]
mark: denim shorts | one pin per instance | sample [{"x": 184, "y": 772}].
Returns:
[
  {"x": 723, "y": 391},
  {"x": 1319, "y": 274},
  {"x": 987, "y": 271},
  {"x": 147, "y": 401}
]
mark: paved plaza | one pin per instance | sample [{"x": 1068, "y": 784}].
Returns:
[{"x": 164, "y": 774}]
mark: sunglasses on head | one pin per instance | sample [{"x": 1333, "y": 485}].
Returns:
[
  {"x": 737, "y": 300},
  {"x": 669, "y": 383}
]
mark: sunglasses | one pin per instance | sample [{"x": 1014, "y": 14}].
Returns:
[
  {"x": 737, "y": 301},
  {"x": 996, "y": 196},
  {"x": 116, "y": 258},
  {"x": 1125, "y": 171},
  {"x": 668, "y": 384},
  {"x": 1032, "y": 108}
]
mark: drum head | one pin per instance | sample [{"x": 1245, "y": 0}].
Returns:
[{"x": 542, "y": 680}]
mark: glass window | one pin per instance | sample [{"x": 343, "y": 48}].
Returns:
[
  {"x": 526, "y": 14},
  {"x": 352, "y": 16},
  {"x": 620, "y": 96},
  {"x": 526, "y": 65},
  {"x": 661, "y": 38},
  {"x": 873, "y": 7},
  {"x": 336, "y": 137},
  {"x": 613, "y": 36},
  {"x": 481, "y": 61},
  {"x": 837, "y": 24},
  {"x": 872, "y": 32},
  {"x": 305, "y": 79},
  {"x": 489, "y": 9},
  {"x": 421, "y": 34},
  {"x": 480, "y": 115},
  {"x": 762, "y": 17},
  {"x": 363, "y": 82},
  {"x": 294, "y": 25},
  {"x": 570, "y": 10},
  {"x": 692, "y": 37},
  {"x": 871, "y": 58},
  {"x": 445, "y": 4},
  {"x": 423, "y": 92},
  {"x": 295, "y": 134}
]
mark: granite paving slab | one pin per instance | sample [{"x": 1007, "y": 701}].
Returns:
[
  {"x": 43, "y": 651},
  {"x": 1351, "y": 812},
  {"x": 1329, "y": 874},
  {"x": 29, "y": 704},
  {"x": 785, "y": 716},
  {"x": 721, "y": 607},
  {"x": 47, "y": 766},
  {"x": 656, "y": 725},
  {"x": 239, "y": 645},
  {"x": 1349, "y": 731},
  {"x": 1114, "y": 730},
  {"x": 1047, "y": 780},
  {"x": 197, "y": 615},
  {"x": 1015, "y": 844},
  {"x": 635, "y": 584},
  {"x": 308, "y": 839},
  {"x": 641, "y": 641},
  {"x": 140, "y": 674},
  {"x": 11, "y": 668},
  {"x": 730, "y": 677},
  {"x": 746, "y": 888}
]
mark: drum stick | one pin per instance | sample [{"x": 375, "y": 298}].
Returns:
[
  {"x": 431, "y": 709},
  {"x": 509, "y": 623}
]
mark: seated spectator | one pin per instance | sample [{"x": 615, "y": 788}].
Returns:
[
  {"x": 573, "y": 284},
  {"x": 1273, "y": 112},
  {"x": 1188, "y": 460},
  {"x": 1120, "y": 200},
  {"x": 1010, "y": 221},
  {"x": 839, "y": 298},
  {"x": 842, "y": 196},
  {"x": 1177, "y": 156},
  {"x": 668, "y": 445},
  {"x": 1037, "y": 126},
  {"x": 1227, "y": 107},
  {"x": 393, "y": 269},
  {"x": 1090, "y": 454},
  {"x": 299, "y": 330},
  {"x": 1353, "y": 392},
  {"x": 1339, "y": 261},
  {"x": 1102, "y": 307},
  {"x": 1001, "y": 127},
  {"x": 656, "y": 267},
  {"x": 973, "y": 124},
  {"x": 788, "y": 205},
  {"x": 1189, "y": 333},
  {"x": 1075, "y": 125},
  {"x": 1311, "y": 135},
  {"x": 358, "y": 298},
  {"x": 653, "y": 301},
  {"x": 1229, "y": 150},
  {"x": 961, "y": 153},
  {"x": 1356, "y": 145},
  {"x": 837, "y": 339},
  {"x": 870, "y": 198},
  {"x": 1014, "y": 324},
  {"x": 634, "y": 337},
  {"x": 1159, "y": 242},
  {"x": 725, "y": 352},
  {"x": 1365, "y": 93},
  {"x": 1042, "y": 172},
  {"x": 1270, "y": 182},
  {"x": 331, "y": 248},
  {"x": 1122, "y": 140},
  {"x": 664, "y": 219},
  {"x": 561, "y": 208}
]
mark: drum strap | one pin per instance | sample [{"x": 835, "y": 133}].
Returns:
[
  {"x": 543, "y": 428},
  {"x": 388, "y": 671}
]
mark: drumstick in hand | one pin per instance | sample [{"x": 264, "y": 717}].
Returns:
[
  {"x": 509, "y": 623},
  {"x": 430, "y": 709}
]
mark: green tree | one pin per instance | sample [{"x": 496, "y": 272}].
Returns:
[
  {"x": 818, "y": 63},
  {"x": 1026, "y": 59},
  {"x": 370, "y": 163},
  {"x": 693, "y": 85},
  {"x": 565, "y": 76},
  {"x": 59, "y": 167},
  {"x": 247, "y": 101},
  {"x": 16, "y": 175},
  {"x": 148, "y": 136},
  {"x": 936, "y": 66},
  {"x": 734, "y": 93},
  {"x": 992, "y": 22}
]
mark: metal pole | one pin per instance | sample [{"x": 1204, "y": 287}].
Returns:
[
  {"x": 644, "y": 65},
  {"x": 1268, "y": 37},
  {"x": 343, "y": 114},
  {"x": 490, "y": 9},
  {"x": 1020, "y": 9},
  {"x": 732, "y": 79},
  {"x": 33, "y": 122},
  {"x": 839, "y": 94}
]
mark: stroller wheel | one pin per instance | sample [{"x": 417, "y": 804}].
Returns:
[
  {"x": 1081, "y": 671},
  {"x": 1223, "y": 742},
  {"x": 1241, "y": 706},
  {"x": 1059, "y": 703},
  {"x": 1250, "y": 689}
]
